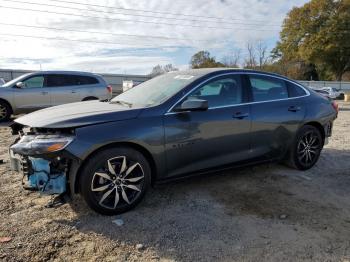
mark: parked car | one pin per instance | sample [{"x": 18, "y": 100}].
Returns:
[
  {"x": 322, "y": 92},
  {"x": 39, "y": 90},
  {"x": 174, "y": 125},
  {"x": 331, "y": 92}
]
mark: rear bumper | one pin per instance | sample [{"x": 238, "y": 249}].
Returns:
[{"x": 328, "y": 129}]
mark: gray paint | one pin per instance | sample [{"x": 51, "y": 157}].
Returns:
[{"x": 189, "y": 142}]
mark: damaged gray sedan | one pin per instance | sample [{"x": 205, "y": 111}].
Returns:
[{"x": 175, "y": 125}]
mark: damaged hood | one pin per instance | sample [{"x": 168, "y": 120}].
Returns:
[{"x": 78, "y": 114}]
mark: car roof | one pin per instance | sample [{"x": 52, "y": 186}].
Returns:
[
  {"x": 205, "y": 71},
  {"x": 63, "y": 72}
]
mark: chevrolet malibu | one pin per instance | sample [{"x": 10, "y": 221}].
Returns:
[{"x": 175, "y": 125}]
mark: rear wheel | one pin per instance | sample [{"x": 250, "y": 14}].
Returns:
[
  {"x": 5, "y": 111},
  {"x": 90, "y": 98},
  {"x": 115, "y": 180},
  {"x": 306, "y": 148}
]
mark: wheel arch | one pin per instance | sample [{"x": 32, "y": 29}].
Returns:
[
  {"x": 318, "y": 126},
  {"x": 135, "y": 146},
  {"x": 88, "y": 98}
]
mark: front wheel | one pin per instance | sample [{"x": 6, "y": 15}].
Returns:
[
  {"x": 306, "y": 148},
  {"x": 115, "y": 180},
  {"x": 5, "y": 112}
]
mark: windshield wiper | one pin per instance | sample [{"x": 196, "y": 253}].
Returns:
[{"x": 122, "y": 103}]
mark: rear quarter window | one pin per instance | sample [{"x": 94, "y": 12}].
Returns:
[
  {"x": 86, "y": 80},
  {"x": 295, "y": 91}
]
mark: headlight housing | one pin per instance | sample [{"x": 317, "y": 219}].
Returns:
[{"x": 41, "y": 144}]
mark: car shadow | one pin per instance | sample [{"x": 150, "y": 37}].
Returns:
[
  {"x": 7, "y": 123},
  {"x": 178, "y": 217}
]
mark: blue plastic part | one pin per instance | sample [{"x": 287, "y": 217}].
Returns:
[{"x": 42, "y": 179}]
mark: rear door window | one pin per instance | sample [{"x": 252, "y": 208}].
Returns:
[
  {"x": 266, "y": 88},
  {"x": 59, "y": 80}
]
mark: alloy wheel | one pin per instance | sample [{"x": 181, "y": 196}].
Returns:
[
  {"x": 3, "y": 112},
  {"x": 309, "y": 147},
  {"x": 118, "y": 183}
]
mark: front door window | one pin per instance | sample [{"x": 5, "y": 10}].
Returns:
[
  {"x": 224, "y": 91},
  {"x": 34, "y": 82}
]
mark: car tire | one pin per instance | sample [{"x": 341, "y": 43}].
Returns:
[
  {"x": 90, "y": 98},
  {"x": 5, "y": 111},
  {"x": 306, "y": 148},
  {"x": 115, "y": 180}
]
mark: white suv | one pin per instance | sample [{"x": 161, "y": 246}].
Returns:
[{"x": 39, "y": 90}]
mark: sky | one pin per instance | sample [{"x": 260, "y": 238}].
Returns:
[{"x": 131, "y": 36}]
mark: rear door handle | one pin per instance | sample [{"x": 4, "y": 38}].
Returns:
[
  {"x": 240, "y": 115},
  {"x": 294, "y": 108},
  {"x": 44, "y": 93}
]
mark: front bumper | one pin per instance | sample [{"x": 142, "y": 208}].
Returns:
[
  {"x": 61, "y": 168},
  {"x": 48, "y": 177}
]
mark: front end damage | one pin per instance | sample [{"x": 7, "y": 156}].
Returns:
[{"x": 39, "y": 155}]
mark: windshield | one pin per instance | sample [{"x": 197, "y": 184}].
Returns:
[
  {"x": 14, "y": 81},
  {"x": 155, "y": 91}
]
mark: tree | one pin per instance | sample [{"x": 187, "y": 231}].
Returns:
[
  {"x": 169, "y": 68},
  {"x": 159, "y": 70},
  {"x": 203, "y": 59},
  {"x": 250, "y": 61},
  {"x": 261, "y": 49},
  {"x": 318, "y": 33},
  {"x": 232, "y": 60}
]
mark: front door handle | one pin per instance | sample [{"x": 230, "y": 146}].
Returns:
[
  {"x": 73, "y": 92},
  {"x": 240, "y": 115},
  {"x": 44, "y": 93},
  {"x": 294, "y": 108}
]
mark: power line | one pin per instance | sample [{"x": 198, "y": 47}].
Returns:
[
  {"x": 129, "y": 20},
  {"x": 137, "y": 15},
  {"x": 155, "y": 12},
  {"x": 83, "y": 41},
  {"x": 103, "y": 33}
]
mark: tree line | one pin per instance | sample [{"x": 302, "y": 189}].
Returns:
[{"x": 314, "y": 44}]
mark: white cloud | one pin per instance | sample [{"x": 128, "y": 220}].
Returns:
[{"x": 246, "y": 20}]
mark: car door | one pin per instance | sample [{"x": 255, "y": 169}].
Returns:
[
  {"x": 32, "y": 95},
  {"x": 199, "y": 140},
  {"x": 276, "y": 115},
  {"x": 63, "y": 89}
]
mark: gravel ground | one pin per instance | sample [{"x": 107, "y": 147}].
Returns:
[{"x": 261, "y": 213}]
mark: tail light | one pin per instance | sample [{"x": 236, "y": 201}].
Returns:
[
  {"x": 110, "y": 89},
  {"x": 335, "y": 106}
]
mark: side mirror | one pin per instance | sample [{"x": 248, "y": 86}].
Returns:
[
  {"x": 20, "y": 85},
  {"x": 193, "y": 105}
]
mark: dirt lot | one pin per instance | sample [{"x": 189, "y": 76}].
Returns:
[{"x": 263, "y": 213}]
